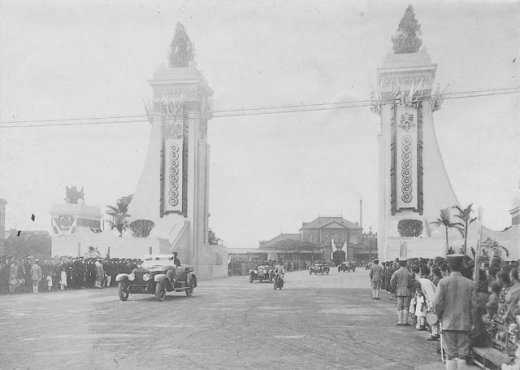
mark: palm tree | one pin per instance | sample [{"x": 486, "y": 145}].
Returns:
[
  {"x": 444, "y": 219},
  {"x": 119, "y": 214},
  {"x": 466, "y": 220},
  {"x": 497, "y": 249}
]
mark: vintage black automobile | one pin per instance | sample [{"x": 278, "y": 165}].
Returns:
[
  {"x": 347, "y": 266},
  {"x": 262, "y": 271},
  {"x": 157, "y": 275},
  {"x": 319, "y": 267}
]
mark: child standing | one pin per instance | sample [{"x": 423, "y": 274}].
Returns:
[
  {"x": 420, "y": 310},
  {"x": 49, "y": 282}
]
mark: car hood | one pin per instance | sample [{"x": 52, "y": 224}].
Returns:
[{"x": 153, "y": 269}]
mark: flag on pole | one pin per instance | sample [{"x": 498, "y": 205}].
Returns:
[
  {"x": 397, "y": 94},
  {"x": 55, "y": 228},
  {"x": 73, "y": 227}
]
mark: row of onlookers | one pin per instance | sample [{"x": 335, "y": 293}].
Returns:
[
  {"x": 497, "y": 309},
  {"x": 24, "y": 275}
]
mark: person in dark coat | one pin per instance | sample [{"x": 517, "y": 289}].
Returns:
[{"x": 455, "y": 303}]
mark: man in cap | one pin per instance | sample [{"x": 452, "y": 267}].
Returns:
[
  {"x": 401, "y": 279},
  {"x": 455, "y": 303}
]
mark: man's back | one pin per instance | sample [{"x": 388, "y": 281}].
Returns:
[
  {"x": 455, "y": 302},
  {"x": 376, "y": 272},
  {"x": 400, "y": 279}
]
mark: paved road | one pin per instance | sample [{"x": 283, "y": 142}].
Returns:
[{"x": 315, "y": 322}]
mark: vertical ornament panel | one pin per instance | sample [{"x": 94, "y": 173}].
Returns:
[
  {"x": 173, "y": 159},
  {"x": 406, "y": 155},
  {"x": 393, "y": 161},
  {"x": 420, "y": 146}
]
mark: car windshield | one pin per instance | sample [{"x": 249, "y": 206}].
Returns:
[{"x": 158, "y": 261}]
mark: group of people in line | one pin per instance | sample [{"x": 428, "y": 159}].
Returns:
[
  {"x": 25, "y": 275},
  {"x": 448, "y": 298}
]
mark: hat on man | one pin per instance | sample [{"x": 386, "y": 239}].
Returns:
[{"x": 454, "y": 261}]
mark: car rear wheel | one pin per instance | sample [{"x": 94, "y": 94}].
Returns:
[
  {"x": 160, "y": 291},
  {"x": 122, "y": 291}
]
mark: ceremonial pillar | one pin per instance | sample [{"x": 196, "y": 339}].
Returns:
[
  {"x": 173, "y": 189},
  {"x": 413, "y": 182}
]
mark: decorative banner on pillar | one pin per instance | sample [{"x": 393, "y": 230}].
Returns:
[
  {"x": 173, "y": 165},
  {"x": 406, "y": 157}
]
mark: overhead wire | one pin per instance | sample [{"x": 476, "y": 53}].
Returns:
[{"x": 251, "y": 111}]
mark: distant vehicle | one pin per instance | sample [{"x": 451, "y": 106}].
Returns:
[
  {"x": 157, "y": 275},
  {"x": 262, "y": 271},
  {"x": 347, "y": 266},
  {"x": 319, "y": 267}
]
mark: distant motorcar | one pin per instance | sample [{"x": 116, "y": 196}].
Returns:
[
  {"x": 261, "y": 272},
  {"x": 157, "y": 275},
  {"x": 347, "y": 266},
  {"x": 319, "y": 267}
]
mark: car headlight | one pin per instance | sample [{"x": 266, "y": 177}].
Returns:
[
  {"x": 147, "y": 277},
  {"x": 131, "y": 277}
]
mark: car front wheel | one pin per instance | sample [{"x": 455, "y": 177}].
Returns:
[
  {"x": 189, "y": 289},
  {"x": 160, "y": 291},
  {"x": 122, "y": 291}
]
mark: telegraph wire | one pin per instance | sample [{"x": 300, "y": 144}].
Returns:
[
  {"x": 73, "y": 119},
  {"x": 253, "y": 111},
  {"x": 355, "y": 101}
]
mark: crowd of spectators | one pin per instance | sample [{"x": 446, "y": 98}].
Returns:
[
  {"x": 61, "y": 273},
  {"x": 496, "y": 323}
]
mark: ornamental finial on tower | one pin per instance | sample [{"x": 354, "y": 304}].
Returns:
[
  {"x": 406, "y": 40},
  {"x": 182, "y": 50}
]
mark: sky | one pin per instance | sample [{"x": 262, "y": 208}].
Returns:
[{"x": 269, "y": 173}]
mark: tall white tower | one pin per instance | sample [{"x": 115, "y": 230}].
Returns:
[
  {"x": 413, "y": 182},
  {"x": 172, "y": 195}
]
